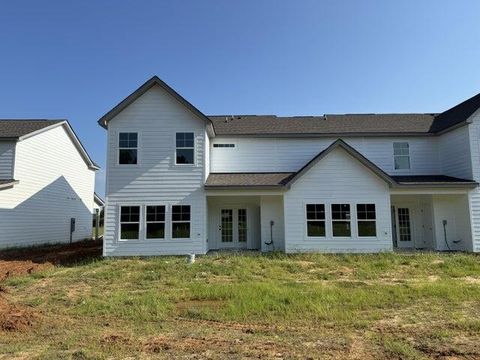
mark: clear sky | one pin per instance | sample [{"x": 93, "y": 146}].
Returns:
[{"x": 77, "y": 59}]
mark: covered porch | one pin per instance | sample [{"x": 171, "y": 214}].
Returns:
[
  {"x": 436, "y": 219},
  {"x": 242, "y": 220}
]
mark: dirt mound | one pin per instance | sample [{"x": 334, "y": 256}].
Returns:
[
  {"x": 18, "y": 262},
  {"x": 14, "y": 317}
]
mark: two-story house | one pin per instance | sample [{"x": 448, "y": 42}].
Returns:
[
  {"x": 179, "y": 181},
  {"x": 47, "y": 184}
]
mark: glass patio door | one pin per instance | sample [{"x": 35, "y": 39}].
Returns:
[{"x": 233, "y": 228}]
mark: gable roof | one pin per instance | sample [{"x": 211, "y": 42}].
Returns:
[
  {"x": 351, "y": 151},
  {"x": 14, "y": 129},
  {"x": 20, "y": 129},
  {"x": 155, "y": 80},
  {"x": 98, "y": 200}
]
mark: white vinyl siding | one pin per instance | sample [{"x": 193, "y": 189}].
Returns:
[
  {"x": 7, "y": 158},
  {"x": 337, "y": 179},
  {"x": 157, "y": 116},
  {"x": 55, "y": 184},
  {"x": 474, "y": 196},
  {"x": 290, "y": 154}
]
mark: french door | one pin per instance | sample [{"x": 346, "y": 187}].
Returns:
[
  {"x": 233, "y": 228},
  {"x": 405, "y": 233}
]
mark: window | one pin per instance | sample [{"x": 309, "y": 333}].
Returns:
[
  {"x": 341, "y": 220},
  {"x": 155, "y": 222},
  {"x": 223, "y": 145},
  {"x": 180, "y": 221},
  {"x": 127, "y": 148},
  {"x": 401, "y": 155},
  {"x": 129, "y": 222},
  {"x": 366, "y": 220},
  {"x": 315, "y": 220},
  {"x": 185, "y": 144}
]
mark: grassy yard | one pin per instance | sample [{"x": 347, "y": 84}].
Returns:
[{"x": 399, "y": 306}]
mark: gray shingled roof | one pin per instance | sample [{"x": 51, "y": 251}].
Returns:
[
  {"x": 248, "y": 179},
  {"x": 13, "y": 129},
  {"x": 354, "y": 124},
  {"x": 280, "y": 180},
  {"x": 430, "y": 179}
]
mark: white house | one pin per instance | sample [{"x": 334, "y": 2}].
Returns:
[
  {"x": 46, "y": 180},
  {"x": 179, "y": 181}
]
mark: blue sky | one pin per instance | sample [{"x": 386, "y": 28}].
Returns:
[{"x": 76, "y": 60}]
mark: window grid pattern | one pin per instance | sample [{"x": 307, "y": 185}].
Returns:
[
  {"x": 227, "y": 225},
  {"x": 315, "y": 220},
  {"x": 404, "y": 229},
  {"x": 129, "y": 222},
  {"x": 366, "y": 220},
  {"x": 155, "y": 219},
  {"x": 242, "y": 225},
  {"x": 185, "y": 148},
  {"x": 341, "y": 220},
  {"x": 401, "y": 155},
  {"x": 127, "y": 148},
  {"x": 180, "y": 221}
]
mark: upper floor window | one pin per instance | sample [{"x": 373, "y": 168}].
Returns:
[
  {"x": 185, "y": 148},
  {"x": 127, "y": 148},
  {"x": 401, "y": 155}
]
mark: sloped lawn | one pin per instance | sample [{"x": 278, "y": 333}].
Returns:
[{"x": 404, "y": 306}]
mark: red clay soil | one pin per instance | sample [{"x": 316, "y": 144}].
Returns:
[{"x": 18, "y": 262}]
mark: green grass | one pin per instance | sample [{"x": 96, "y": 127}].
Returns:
[{"x": 405, "y": 306}]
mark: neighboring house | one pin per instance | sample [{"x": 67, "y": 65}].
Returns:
[
  {"x": 46, "y": 179},
  {"x": 180, "y": 182},
  {"x": 98, "y": 203}
]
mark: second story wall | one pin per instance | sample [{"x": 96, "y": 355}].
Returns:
[
  {"x": 156, "y": 117},
  {"x": 290, "y": 154},
  {"x": 7, "y": 159}
]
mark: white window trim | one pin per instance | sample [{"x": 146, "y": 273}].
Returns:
[
  {"x": 194, "y": 148},
  {"x": 350, "y": 220},
  {"x": 165, "y": 237},
  {"x": 315, "y": 202},
  {"x": 172, "y": 222},
  {"x": 395, "y": 156},
  {"x": 366, "y": 220},
  {"x": 140, "y": 217},
  {"x": 117, "y": 148}
]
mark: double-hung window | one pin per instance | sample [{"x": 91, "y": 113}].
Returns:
[
  {"x": 185, "y": 148},
  {"x": 129, "y": 222},
  {"x": 180, "y": 221},
  {"x": 401, "y": 155},
  {"x": 127, "y": 148},
  {"x": 155, "y": 221},
  {"x": 315, "y": 220},
  {"x": 366, "y": 220},
  {"x": 341, "y": 220}
]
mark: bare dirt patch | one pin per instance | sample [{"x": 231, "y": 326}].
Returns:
[
  {"x": 15, "y": 318},
  {"x": 19, "y": 262}
]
